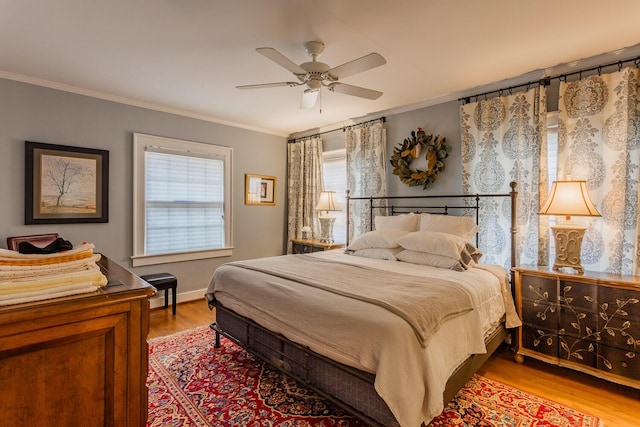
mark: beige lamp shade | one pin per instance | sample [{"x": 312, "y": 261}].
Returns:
[
  {"x": 569, "y": 198},
  {"x": 328, "y": 202}
]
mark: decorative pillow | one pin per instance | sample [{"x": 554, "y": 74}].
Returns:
[
  {"x": 443, "y": 244},
  {"x": 385, "y": 239},
  {"x": 407, "y": 222},
  {"x": 432, "y": 260},
  {"x": 378, "y": 253},
  {"x": 462, "y": 226}
]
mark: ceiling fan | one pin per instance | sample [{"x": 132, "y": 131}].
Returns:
[{"x": 315, "y": 74}]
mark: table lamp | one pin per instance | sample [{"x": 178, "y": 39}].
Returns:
[
  {"x": 326, "y": 204},
  {"x": 569, "y": 198}
]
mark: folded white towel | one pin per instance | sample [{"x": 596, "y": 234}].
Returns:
[
  {"x": 51, "y": 282},
  {"x": 79, "y": 288}
]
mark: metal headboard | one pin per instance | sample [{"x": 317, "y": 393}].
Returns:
[{"x": 396, "y": 205}]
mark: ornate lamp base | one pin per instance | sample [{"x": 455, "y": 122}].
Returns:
[
  {"x": 568, "y": 239},
  {"x": 326, "y": 228}
]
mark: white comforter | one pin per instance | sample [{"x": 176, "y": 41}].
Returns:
[{"x": 410, "y": 378}]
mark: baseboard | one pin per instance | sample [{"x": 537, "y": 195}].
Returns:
[{"x": 158, "y": 300}]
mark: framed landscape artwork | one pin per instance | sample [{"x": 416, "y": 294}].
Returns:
[
  {"x": 259, "y": 190},
  {"x": 65, "y": 184}
]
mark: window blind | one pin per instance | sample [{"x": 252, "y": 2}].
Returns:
[{"x": 184, "y": 202}]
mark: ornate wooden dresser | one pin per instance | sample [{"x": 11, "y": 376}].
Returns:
[
  {"x": 79, "y": 360},
  {"x": 588, "y": 322}
]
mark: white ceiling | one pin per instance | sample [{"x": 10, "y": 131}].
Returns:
[{"x": 187, "y": 56}]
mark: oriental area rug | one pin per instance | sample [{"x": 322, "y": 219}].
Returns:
[{"x": 192, "y": 384}]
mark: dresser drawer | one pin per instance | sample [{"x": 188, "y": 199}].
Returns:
[
  {"x": 623, "y": 303},
  {"x": 540, "y": 340},
  {"x": 619, "y": 331},
  {"x": 540, "y": 313},
  {"x": 619, "y": 362},
  {"x": 579, "y": 296},
  {"x": 537, "y": 288},
  {"x": 578, "y": 323},
  {"x": 578, "y": 351}
]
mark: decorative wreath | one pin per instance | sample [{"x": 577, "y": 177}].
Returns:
[{"x": 411, "y": 148}]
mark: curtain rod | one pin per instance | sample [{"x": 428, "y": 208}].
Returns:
[
  {"x": 344, "y": 128},
  {"x": 545, "y": 81}
]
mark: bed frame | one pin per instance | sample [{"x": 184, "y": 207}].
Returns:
[{"x": 349, "y": 388}]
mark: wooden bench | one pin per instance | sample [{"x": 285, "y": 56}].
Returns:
[{"x": 164, "y": 282}]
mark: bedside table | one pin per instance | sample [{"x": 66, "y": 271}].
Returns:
[
  {"x": 588, "y": 322},
  {"x": 305, "y": 246}
]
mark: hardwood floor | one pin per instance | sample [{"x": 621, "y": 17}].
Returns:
[
  {"x": 188, "y": 315},
  {"x": 615, "y": 405}
]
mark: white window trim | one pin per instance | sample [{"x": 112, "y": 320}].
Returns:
[
  {"x": 140, "y": 141},
  {"x": 340, "y": 153}
]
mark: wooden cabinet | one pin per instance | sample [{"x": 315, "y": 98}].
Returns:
[
  {"x": 588, "y": 322},
  {"x": 304, "y": 246},
  {"x": 79, "y": 360}
]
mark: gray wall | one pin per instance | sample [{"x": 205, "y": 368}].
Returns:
[
  {"x": 443, "y": 120},
  {"x": 33, "y": 113}
]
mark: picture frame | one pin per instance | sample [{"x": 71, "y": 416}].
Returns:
[
  {"x": 65, "y": 184},
  {"x": 259, "y": 190}
]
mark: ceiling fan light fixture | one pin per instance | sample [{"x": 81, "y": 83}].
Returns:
[{"x": 309, "y": 98}]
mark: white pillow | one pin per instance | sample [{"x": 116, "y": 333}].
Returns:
[
  {"x": 443, "y": 244},
  {"x": 432, "y": 260},
  {"x": 462, "y": 226},
  {"x": 377, "y": 239},
  {"x": 378, "y": 253},
  {"x": 408, "y": 222}
]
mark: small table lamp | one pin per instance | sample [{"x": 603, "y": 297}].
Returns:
[
  {"x": 327, "y": 203},
  {"x": 569, "y": 198}
]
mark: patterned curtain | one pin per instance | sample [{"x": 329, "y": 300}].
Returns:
[
  {"x": 366, "y": 171},
  {"x": 504, "y": 140},
  {"x": 598, "y": 141},
  {"x": 304, "y": 161}
]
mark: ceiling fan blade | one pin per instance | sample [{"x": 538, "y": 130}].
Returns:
[
  {"x": 261, "y": 85},
  {"x": 281, "y": 60},
  {"x": 359, "y": 65},
  {"x": 354, "y": 90},
  {"x": 309, "y": 98}
]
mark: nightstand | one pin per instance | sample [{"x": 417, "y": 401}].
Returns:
[
  {"x": 305, "y": 246},
  {"x": 588, "y": 322}
]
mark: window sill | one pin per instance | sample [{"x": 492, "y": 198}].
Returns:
[{"x": 142, "y": 260}]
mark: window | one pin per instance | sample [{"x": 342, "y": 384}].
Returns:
[
  {"x": 552, "y": 164},
  {"x": 181, "y": 205},
  {"x": 334, "y": 171}
]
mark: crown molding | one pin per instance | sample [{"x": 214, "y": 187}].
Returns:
[{"x": 129, "y": 101}]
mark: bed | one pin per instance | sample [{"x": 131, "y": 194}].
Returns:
[{"x": 351, "y": 326}]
